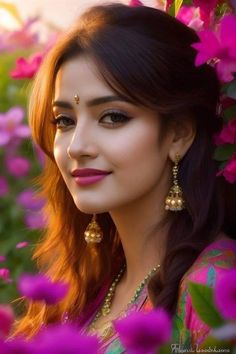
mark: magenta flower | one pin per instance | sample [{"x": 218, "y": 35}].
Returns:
[
  {"x": 189, "y": 15},
  {"x": 4, "y": 273},
  {"x": 227, "y": 134},
  {"x": 6, "y": 320},
  {"x": 40, "y": 288},
  {"x": 219, "y": 48},
  {"x": 18, "y": 166},
  {"x": 17, "y": 346},
  {"x": 27, "y": 68},
  {"x": 135, "y": 3},
  {"x": 65, "y": 339},
  {"x": 229, "y": 171},
  {"x": 22, "y": 244},
  {"x": 225, "y": 295},
  {"x": 206, "y": 9},
  {"x": 4, "y": 188},
  {"x": 143, "y": 333},
  {"x": 29, "y": 200},
  {"x": 11, "y": 126},
  {"x": 2, "y": 258},
  {"x": 35, "y": 220},
  {"x": 24, "y": 37}
]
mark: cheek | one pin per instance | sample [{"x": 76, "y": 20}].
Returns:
[
  {"x": 60, "y": 152},
  {"x": 137, "y": 151}
]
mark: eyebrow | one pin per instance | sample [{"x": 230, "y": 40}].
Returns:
[{"x": 93, "y": 102}]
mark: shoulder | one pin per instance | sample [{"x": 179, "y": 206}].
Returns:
[
  {"x": 209, "y": 267},
  {"x": 213, "y": 261}
]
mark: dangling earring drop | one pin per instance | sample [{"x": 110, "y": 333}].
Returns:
[
  {"x": 93, "y": 232},
  {"x": 174, "y": 200}
]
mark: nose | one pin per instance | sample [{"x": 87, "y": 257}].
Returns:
[{"x": 81, "y": 143}]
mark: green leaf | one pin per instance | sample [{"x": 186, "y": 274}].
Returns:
[
  {"x": 229, "y": 113},
  {"x": 178, "y": 4},
  {"x": 202, "y": 300},
  {"x": 231, "y": 91},
  {"x": 224, "y": 152}
]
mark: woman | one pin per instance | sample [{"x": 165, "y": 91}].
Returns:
[{"x": 135, "y": 209}]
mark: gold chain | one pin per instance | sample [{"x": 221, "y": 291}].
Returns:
[{"x": 106, "y": 307}]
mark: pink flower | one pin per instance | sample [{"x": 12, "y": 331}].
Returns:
[
  {"x": 189, "y": 15},
  {"x": 134, "y": 3},
  {"x": 18, "y": 166},
  {"x": 5, "y": 274},
  {"x": 206, "y": 9},
  {"x": 35, "y": 220},
  {"x": 27, "y": 68},
  {"x": 142, "y": 333},
  {"x": 39, "y": 287},
  {"x": 22, "y": 244},
  {"x": 24, "y": 37},
  {"x": 229, "y": 171},
  {"x": 225, "y": 295},
  {"x": 4, "y": 188},
  {"x": 168, "y": 4},
  {"x": 29, "y": 200},
  {"x": 65, "y": 339},
  {"x": 227, "y": 135},
  {"x": 6, "y": 320},
  {"x": 219, "y": 47},
  {"x": 2, "y": 258},
  {"x": 11, "y": 126}
]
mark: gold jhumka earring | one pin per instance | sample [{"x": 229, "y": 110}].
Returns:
[
  {"x": 174, "y": 200},
  {"x": 93, "y": 232}
]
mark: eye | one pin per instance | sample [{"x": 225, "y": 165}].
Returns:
[
  {"x": 114, "y": 118},
  {"x": 62, "y": 121}
]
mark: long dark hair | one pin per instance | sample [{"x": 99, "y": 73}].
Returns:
[{"x": 146, "y": 55}]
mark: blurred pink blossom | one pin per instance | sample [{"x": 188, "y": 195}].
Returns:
[
  {"x": 229, "y": 171},
  {"x": 6, "y": 320},
  {"x": 24, "y": 37},
  {"x": 18, "y": 166},
  {"x": 4, "y": 188},
  {"x": 142, "y": 333},
  {"x": 5, "y": 274},
  {"x": 39, "y": 287},
  {"x": 29, "y": 200},
  {"x": 189, "y": 15},
  {"x": 2, "y": 258},
  {"x": 168, "y": 4},
  {"x": 22, "y": 244},
  {"x": 35, "y": 220},
  {"x": 227, "y": 134},
  {"x": 11, "y": 126},
  {"x": 27, "y": 68},
  {"x": 219, "y": 48},
  {"x": 206, "y": 9}
]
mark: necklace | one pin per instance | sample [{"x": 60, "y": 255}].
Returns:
[{"x": 106, "y": 307}]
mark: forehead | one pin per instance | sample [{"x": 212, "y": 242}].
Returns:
[{"x": 79, "y": 76}]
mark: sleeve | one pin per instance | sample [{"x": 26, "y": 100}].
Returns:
[{"x": 188, "y": 327}]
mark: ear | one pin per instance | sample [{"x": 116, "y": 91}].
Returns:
[{"x": 184, "y": 132}]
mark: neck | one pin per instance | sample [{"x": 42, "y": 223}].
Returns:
[{"x": 142, "y": 228}]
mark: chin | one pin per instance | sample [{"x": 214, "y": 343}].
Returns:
[{"x": 88, "y": 208}]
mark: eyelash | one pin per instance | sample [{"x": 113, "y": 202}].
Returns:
[{"x": 56, "y": 121}]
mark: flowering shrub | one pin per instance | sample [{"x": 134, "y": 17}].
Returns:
[{"x": 21, "y": 53}]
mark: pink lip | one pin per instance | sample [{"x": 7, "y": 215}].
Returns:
[
  {"x": 87, "y": 172},
  {"x": 84, "y": 181}
]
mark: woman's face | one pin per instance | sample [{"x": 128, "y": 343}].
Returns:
[{"x": 106, "y": 133}]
